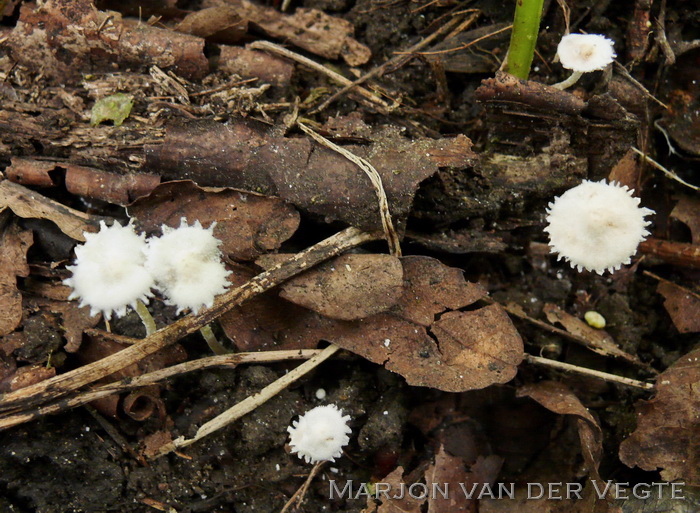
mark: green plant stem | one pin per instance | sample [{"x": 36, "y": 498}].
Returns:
[
  {"x": 146, "y": 318},
  {"x": 212, "y": 341},
  {"x": 526, "y": 26}
]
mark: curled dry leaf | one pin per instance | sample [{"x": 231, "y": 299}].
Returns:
[
  {"x": 559, "y": 399},
  {"x": 14, "y": 243},
  {"x": 29, "y": 204},
  {"x": 596, "y": 340},
  {"x": 347, "y": 288},
  {"x": 668, "y": 426},
  {"x": 120, "y": 189},
  {"x": 247, "y": 224},
  {"x": 687, "y": 211},
  {"x": 682, "y": 305},
  {"x": 467, "y": 350}
]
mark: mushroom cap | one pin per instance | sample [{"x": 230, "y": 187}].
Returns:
[
  {"x": 585, "y": 52},
  {"x": 109, "y": 272},
  {"x": 320, "y": 434},
  {"x": 596, "y": 226},
  {"x": 187, "y": 267}
]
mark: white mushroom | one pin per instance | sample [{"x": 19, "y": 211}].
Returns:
[
  {"x": 597, "y": 226},
  {"x": 320, "y": 434},
  {"x": 583, "y": 53}
]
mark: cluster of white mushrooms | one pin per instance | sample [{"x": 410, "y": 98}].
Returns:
[{"x": 117, "y": 267}]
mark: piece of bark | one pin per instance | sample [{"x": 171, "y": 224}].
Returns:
[
  {"x": 14, "y": 243},
  {"x": 309, "y": 29},
  {"x": 64, "y": 40},
  {"x": 221, "y": 24},
  {"x": 254, "y": 64},
  {"x": 507, "y": 88},
  {"x": 247, "y": 224},
  {"x": 120, "y": 189},
  {"x": 668, "y": 426},
  {"x": 313, "y": 178},
  {"x": 678, "y": 253}
]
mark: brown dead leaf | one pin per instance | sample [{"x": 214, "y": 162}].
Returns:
[
  {"x": 247, "y": 224},
  {"x": 668, "y": 426},
  {"x": 682, "y": 305},
  {"x": 626, "y": 171},
  {"x": 74, "y": 320},
  {"x": 598, "y": 341},
  {"x": 29, "y": 204},
  {"x": 687, "y": 211},
  {"x": 465, "y": 351},
  {"x": 14, "y": 243},
  {"x": 349, "y": 287},
  {"x": 407, "y": 504},
  {"x": 559, "y": 399}
]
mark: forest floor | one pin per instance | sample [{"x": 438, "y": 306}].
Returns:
[{"x": 440, "y": 322}]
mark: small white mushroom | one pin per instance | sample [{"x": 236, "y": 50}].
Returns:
[
  {"x": 320, "y": 434},
  {"x": 596, "y": 226},
  {"x": 583, "y": 53}
]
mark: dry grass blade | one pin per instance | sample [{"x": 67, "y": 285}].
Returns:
[
  {"x": 392, "y": 237},
  {"x": 53, "y": 388},
  {"x": 250, "y": 403}
]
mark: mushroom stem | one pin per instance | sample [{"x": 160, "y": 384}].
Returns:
[
  {"x": 212, "y": 341},
  {"x": 146, "y": 318},
  {"x": 569, "y": 81}
]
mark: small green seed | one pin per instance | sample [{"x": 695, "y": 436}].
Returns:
[{"x": 594, "y": 319}]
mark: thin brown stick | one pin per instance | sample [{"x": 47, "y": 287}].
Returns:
[
  {"x": 612, "y": 378},
  {"x": 53, "y": 388},
  {"x": 151, "y": 378},
  {"x": 249, "y": 403},
  {"x": 392, "y": 237},
  {"x": 299, "y": 495},
  {"x": 461, "y": 47},
  {"x": 369, "y": 97},
  {"x": 395, "y": 61}
]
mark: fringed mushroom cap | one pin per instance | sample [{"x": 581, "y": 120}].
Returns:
[
  {"x": 596, "y": 226},
  {"x": 320, "y": 434},
  {"x": 109, "y": 272},
  {"x": 585, "y": 52},
  {"x": 187, "y": 267}
]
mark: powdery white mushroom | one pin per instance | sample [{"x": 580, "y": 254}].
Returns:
[
  {"x": 187, "y": 267},
  {"x": 585, "y": 52},
  {"x": 320, "y": 434},
  {"x": 597, "y": 226},
  {"x": 109, "y": 272}
]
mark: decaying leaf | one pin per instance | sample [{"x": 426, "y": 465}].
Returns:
[
  {"x": 244, "y": 155},
  {"x": 424, "y": 337},
  {"x": 682, "y": 305},
  {"x": 247, "y": 224},
  {"x": 597, "y": 340},
  {"x": 559, "y": 399},
  {"x": 668, "y": 426},
  {"x": 115, "y": 108},
  {"x": 687, "y": 211},
  {"x": 14, "y": 243},
  {"x": 349, "y": 287},
  {"x": 29, "y": 204}
]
